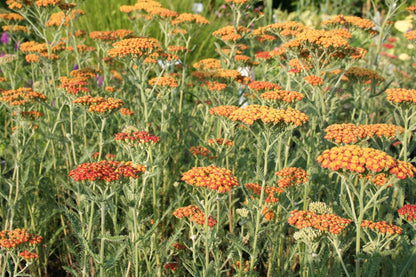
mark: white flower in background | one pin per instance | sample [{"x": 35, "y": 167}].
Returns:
[{"x": 404, "y": 57}]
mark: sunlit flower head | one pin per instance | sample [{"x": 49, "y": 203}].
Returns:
[
  {"x": 282, "y": 96},
  {"x": 408, "y": 212},
  {"x": 195, "y": 214},
  {"x": 18, "y": 238},
  {"x": 190, "y": 18},
  {"x": 21, "y": 96},
  {"x": 292, "y": 176},
  {"x": 271, "y": 192},
  {"x": 382, "y": 227},
  {"x": 141, "y": 47},
  {"x": 401, "y": 96}
]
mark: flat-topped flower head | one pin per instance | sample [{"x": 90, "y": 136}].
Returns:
[
  {"x": 403, "y": 97},
  {"x": 18, "y": 238},
  {"x": 350, "y": 21},
  {"x": 221, "y": 141},
  {"x": 164, "y": 81},
  {"x": 364, "y": 160},
  {"x": 207, "y": 64},
  {"x": 74, "y": 85},
  {"x": 252, "y": 113},
  {"x": 132, "y": 137},
  {"x": 408, "y": 211},
  {"x": 47, "y": 3},
  {"x": 199, "y": 151},
  {"x": 190, "y": 18},
  {"x": 223, "y": 110},
  {"x": 108, "y": 171},
  {"x": 350, "y": 133},
  {"x": 362, "y": 75},
  {"x": 292, "y": 176},
  {"x": 314, "y": 80},
  {"x": 212, "y": 177},
  {"x": 271, "y": 192},
  {"x": 285, "y": 96},
  {"x": 100, "y": 105},
  {"x": 195, "y": 214},
  {"x": 382, "y": 227},
  {"x": 21, "y": 96},
  {"x": 324, "y": 222},
  {"x": 263, "y": 85},
  {"x": 136, "y": 47}
]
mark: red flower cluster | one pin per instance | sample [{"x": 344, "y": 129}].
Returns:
[
  {"x": 199, "y": 150},
  {"x": 212, "y": 177},
  {"x": 108, "y": 171},
  {"x": 408, "y": 211},
  {"x": 28, "y": 255},
  {"x": 270, "y": 191},
  {"x": 136, "y": 137},
  {"x": 17, "y": 237},
  {"x": 356, "y": 159},
  {"x": 292, "y": 176},
  {"x": 195, "y": 214},
  {"x": 351, "y": 133},
  {"x": 382, "y": 226},
  {"x": 326, "y": 222}
]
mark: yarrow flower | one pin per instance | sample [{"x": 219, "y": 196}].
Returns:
[
  {"x": 190, "y": 18},
  {"x": 271, "y": 192},
  {"x": 408, "y": 212},
  {"x": 223, "y": 110},
  {"x": 74, "y": 85},
  {"x": 108, "y": 171},
  {"x": 282, "y": 96},
  {"x": 99, "y": 105},
  {"x": 195, "y": 214},
  {"x": 164, "y": 81},
  {"x": 351, "y": 133},
  {"x": 141, "y": 47},
  {"x": 382, "y": 227},
  {"x": 199, "y": 150},
  {"x": 18, "y": 238},
  {"x": 21, "y": 96},
  {"x": 212, "y": 177},
  {"x": 356, "y": 159},
  {"x": 292, "y": 176},
  {"x": 404, "y": 97},
  {"x": 314, "y": 80},
  {"x": 221, "y": 141},
  {"x": 354, "y": 21},
  {"x": 324, "y": 222},
  {"x": 263, "y": 85},
  {"x": 132, "y": 137},
  {"x": 28, "y": 255},
  {"x": 359, "y": 74}
]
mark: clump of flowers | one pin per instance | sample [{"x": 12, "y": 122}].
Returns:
[
  {"x": 263, "y": 85},
  {"x": 136, "y": 47},
  {"x": 199, "y": 150},
  {"x": 382, "y": 227},
  {"x": 401, "y": 96},
  {"x": 271, "y": 192},
  {"x": 282, "y": 95},
  {"x": 212, "y": 177},
  {"x": 164, "y": 81},
  {"x": 74, "y": 85},
  {"x": 359, "y": 74},
  {"x": 21, "y": 96},
  {"x": 351, "y": 133},
  {"x": 356, "y": 159},
  {"x": 350, "y": 21},
  {"x": 408, "y": 211},
  {"x": 190, "y": 18},
  {"x": 292, "y": 176},
  {"x": 195, "y": 214},
  {"x": 324, "y": 222},
  {"x": 314, "y": 80},
  {"x": 18, "y": 238},
  {"x": 223, "y": 110},
  {"x": 251, "y": 113},
  {"x": 100, "y": 105},
  {"x": 108, "y": 171},
  {"x": 132, "y": 136}
]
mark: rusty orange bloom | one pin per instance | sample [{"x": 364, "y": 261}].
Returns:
[
  {"x": 164, "y": 81},
  {"x": 195, "y": 214},
  {"x": 244, "y": 266},
  {"x": 125, "y": 111},
  {"x": 314, "y": 80},
  {"x": 287, "y": 29},
  {"x": 14, "y": 28},
  {"x": 85, "y": 72},
  {"x": 199, "y": 150},
  {"x": 324, "y": 222},
  {"x": 282, "y": 95},
  {"x": 135, "y": 47},
  {"x": 18, "y": 238},
  {"x": 190, "y": 18},
  {"x": 382, "y": 227},
  {"x": 64, "y": 19},
  {"x": 230, "y": 33},
  {"x": 46, "y": 3},
  {"x": 212, "y": 177},
  {"x": 21, "y": 96},
  {"x": 28, "y": 255},
  {"x": 408, "y": 211},
  {"x": 74, "y": 85},
  {"x": 263, "y": 85},
  {"x": 411, "y": 8},
  {"x": 353, "y": 21},
  {"x": 272, "y": 192},
  {"x": 251, "y": 113},
  {"x": 108, "y": 171},
  {"x": 351, "y": 133},
  {"x": 356, "y": 159},
  {"x": 223, "y": 110},
  {"x": 133, "y": 137},
  {"x": 12, "y": 16},
  {"x": 292, "y": 176},
  {"x": 401, "y": 96},
  {"x": 221, "y": 141},
  {"x": 359, "y": 74},
  {"x": 410, "y": 35}
]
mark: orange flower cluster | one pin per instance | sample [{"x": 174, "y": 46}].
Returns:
[
  {"x": 237, "y": 1},
  {"x": 287, "y": 29},
  {"x": 74, "y": 85},
  {"x": 212, "y": 177},
  {"x": 195, "y": 214},
  {"x": 227, "y": 74},
  {"x": 356, "y": 159},
  {"x": 136, "y": 47},
  {"x": 292, "y": 176},
  {"x": 21, "y": 96},
  {"x": 207, "y": 64},
  {"x": 215, "y": 86},
  {"x": 251, "y": 113},
  {"x": 351, "y": 133},
  {"x": 161, "y": 12},
  {"x": 268, "y": 214},
  {"x": 410, "y": 35},
  {"x": 85, "y": 72},
  {"x": 221, "y": 141},
  {"x": 141, "y": 5},
  {"x": 63, "y": 19},
  {"x": 230, "y": 33},
  {"x": 354, "y": 21},
  {"x": 359, "y": 74},
  {"x": 263, "y": 85},
  {"x": 411, "y": 8},
  {"x": 382, "y": 227},
  {"x": 270, "y": 191},
  {"x": 14, "y": 28},
  {"x": 171, "y": 266},
  {"x": 108, "y": 171},
  {"x": 199, "y": 150},
  {"x": 408, "y": 211},
  {"x": 282, "y": 95},
  {"x": 28, "y": 255},
  {"x": 30, "y": 114},
  {"x": 136, "y": 137},
  {"x": 324, "y": 222},
  {"x": 190, "y": 18},
  {"x": 401, "y": 95},
  {"x": 45, "y": 3},
  {"x": 298, "y": 65},
  {"x": 379, "y": 179},
  {"x": 164, "y": 81},
  {"x": 125, "y": 111},
  {"x": 11, "y": 16},
  {"x": 314, "y": 80},
  {"x": 99, "y": 104},
  {"x": 17, "y": 237},
  {"x": 223, "y": 110}
]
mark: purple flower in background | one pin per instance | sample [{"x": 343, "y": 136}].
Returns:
[
  {"x": 76, "y": 67},
  {"x": 100, "y": 80},
  {"x": 2, "y": 53},
  {"x": 16, "y": 45},
  {"x": 5, "y": 38}
]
